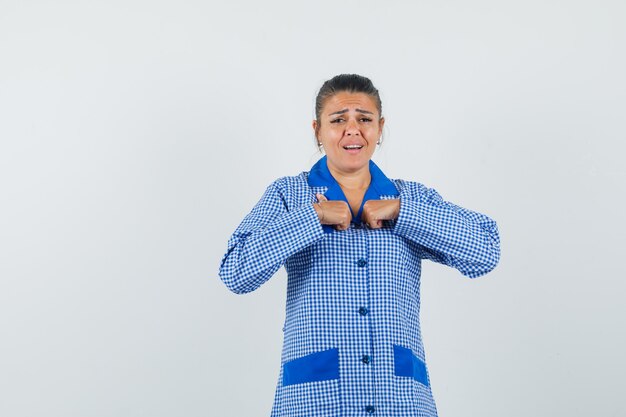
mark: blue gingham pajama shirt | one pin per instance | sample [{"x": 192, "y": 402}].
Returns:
[{"x": 352, "y": 340}]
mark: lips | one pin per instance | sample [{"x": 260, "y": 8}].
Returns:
[{"x": 353, "y": 148}]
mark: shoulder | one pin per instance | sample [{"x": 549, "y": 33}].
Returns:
[
  {"x": 290, "y": 183},
  {"x": 416, "y": 190},
  {"x": 293, "y": 190}
]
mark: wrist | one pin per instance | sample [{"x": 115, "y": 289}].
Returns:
[{"x": 397, "y": 214}]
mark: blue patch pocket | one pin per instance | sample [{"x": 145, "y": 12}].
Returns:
[
  {"x": 318, "y": 366},
  {"x": 407, "y": 364}
]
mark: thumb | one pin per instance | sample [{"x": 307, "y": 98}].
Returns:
[{"x": 321, "y": 197}]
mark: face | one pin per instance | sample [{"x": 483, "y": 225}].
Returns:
[{"x": 348, "y": 129}]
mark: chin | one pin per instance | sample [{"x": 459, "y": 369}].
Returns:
[{"x": 352, "y": 164}]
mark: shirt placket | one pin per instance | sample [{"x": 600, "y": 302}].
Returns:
[{"x": 361, "y": 355}]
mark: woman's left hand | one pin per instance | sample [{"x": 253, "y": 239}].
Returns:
[{"x": 375, "y": 211}]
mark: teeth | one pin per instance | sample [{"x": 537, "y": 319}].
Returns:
[{"x": 353, "y": 147}]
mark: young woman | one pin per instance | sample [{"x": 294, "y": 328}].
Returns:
[{"x": 352, "y": 241}]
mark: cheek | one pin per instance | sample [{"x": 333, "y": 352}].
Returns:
[
  {"x": 373, "y": 132},
  {"x": 331, "y": 133}
]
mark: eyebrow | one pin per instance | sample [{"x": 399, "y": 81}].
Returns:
[{"x": 346, "y": 110}]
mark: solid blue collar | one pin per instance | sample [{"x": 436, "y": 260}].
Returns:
[{"x": 380, "y": 185}]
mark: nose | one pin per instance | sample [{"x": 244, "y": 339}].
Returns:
[{"x": 352, "y": 129}]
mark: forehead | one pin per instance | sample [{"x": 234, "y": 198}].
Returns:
[{"x": 346, "y": 100}]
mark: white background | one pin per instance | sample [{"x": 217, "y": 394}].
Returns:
[{"x": 135, "y": 135}]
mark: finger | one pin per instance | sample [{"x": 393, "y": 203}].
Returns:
[
  {"x": 343, "y": 226},
  {"x": 321, "y": 197},
  {"x": 372, "y": 222}
]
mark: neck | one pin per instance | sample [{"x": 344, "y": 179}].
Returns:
[{"x": 352, "y": 180}]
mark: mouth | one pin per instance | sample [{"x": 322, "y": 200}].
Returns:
[{"x": 353, "y": 147}]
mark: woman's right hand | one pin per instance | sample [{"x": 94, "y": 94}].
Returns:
[{"x": 333, "y": 213}]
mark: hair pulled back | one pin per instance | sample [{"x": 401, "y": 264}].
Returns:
[{"x": 351, "y": 83}]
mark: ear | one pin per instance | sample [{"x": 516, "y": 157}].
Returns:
[
  {"x": 314, "y": 124},
  {"x": 381, "y": 124}
]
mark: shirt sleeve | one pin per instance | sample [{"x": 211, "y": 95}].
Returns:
[
  {"x": 264, "y": 240},
  {"x": 449, "y": 234}
]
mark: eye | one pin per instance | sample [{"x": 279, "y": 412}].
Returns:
[
  {"x": 366, "y": 119},
  {"x": 337, "y": 120}
]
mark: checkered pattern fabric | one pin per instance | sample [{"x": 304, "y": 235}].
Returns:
[{"x": 352, "y": 341}]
